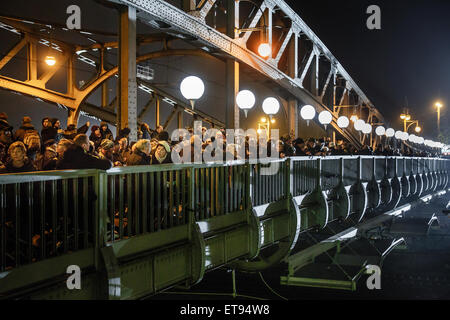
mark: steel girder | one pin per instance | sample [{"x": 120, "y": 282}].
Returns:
[{"x": 193, "y": 24}]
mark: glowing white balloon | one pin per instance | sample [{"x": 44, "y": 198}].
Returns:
[
  {"x": 398, "y": 135},
  {"x": 343, "y": 122},
  {"x": 192, "y": 88},
  {"x": 404, "y": 136},
  {"x": 271, "y": 106},
  {"x": 325, "y": 118},
  {"x": 359, "y": 125},
  {"x": 390, "y": 133},
  {"x": 245, "y": 100},
  {"x": 420, "y": 140},
  {"x": 367, "y": 128},
  {"x": 380, "y": 131},
  {"x": 307, "y": 113}
]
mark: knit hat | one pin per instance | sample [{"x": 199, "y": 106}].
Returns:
[
  {"x": 165, "y": 145},
  {"x": 3, "y": 116},
  {"x": 4, "y": 125},
  {"x": 26, "y": 119},
  {"x": 94, "y": 128}
]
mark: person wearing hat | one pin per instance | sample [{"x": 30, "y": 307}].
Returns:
[
  {"x": 162, "y": 154},
  {"x": 106, "y": 150},
  {"x": 5, "y": 134},
  {"x": 104, "y": 130},
  {"x": 24, "y": 128},
  {"x": 71, "y": 132},
  {"x": 3, "y": 116}
]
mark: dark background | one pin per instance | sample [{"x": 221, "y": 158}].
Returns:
[{"x": 406, "y": 63}]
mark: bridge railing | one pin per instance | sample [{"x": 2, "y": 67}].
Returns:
[{"x": 47, "y": 214}]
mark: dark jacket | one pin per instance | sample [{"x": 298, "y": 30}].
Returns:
[
  {"x": 20, "y": 133},
  {"x": 138, "y": 158},
  {"x": 76, "y": 158},
  {"x": 27, "y": 167},
  {"x": 48, "y": 133},
  {"x": 96, "y": 140}
]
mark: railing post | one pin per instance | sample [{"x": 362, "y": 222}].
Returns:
[
  {"x": 101, "y": 189},
  {"x": 359, "y": 168},
  {"x": 287, "y": 180},
  {"x": 374, "y": 171},
  {"x": 318, "y": 173}
]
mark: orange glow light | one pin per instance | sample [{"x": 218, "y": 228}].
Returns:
[{"x": 264, "y": 50}]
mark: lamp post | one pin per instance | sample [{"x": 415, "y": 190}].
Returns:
[
  {"x": 438, "y": 107},
  {"x": 192, "y": 89}
]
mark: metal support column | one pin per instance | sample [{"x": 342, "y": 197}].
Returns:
[
  {"x": 127, "y": 72},
  {"x": 232, "y": 69},
  {"x": 293, "y": 73}
]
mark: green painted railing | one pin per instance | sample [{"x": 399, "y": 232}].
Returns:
[{"x": 196, "y": 217}]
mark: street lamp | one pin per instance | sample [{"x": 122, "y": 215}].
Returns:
[
  {"x": 354, "y": 118},
  {"x": 307, "y": 113},
  {"x": 192, "y": 89},
  {"x": 439, "y": 105},
  {"x": 325, "y": 118},
  {"x": 418, "y": 129},
  {"x": 343, "y": 122},
  {"x": 50, "y": 60},
  {"x": 264, "y": 50},
  {"x": 245, "y": 100}
]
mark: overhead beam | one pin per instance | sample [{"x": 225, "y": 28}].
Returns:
[
  {"x": 284, "y": 45},
  {"x": 11, "y": 53},
  {"x": 254, "y": 22}
]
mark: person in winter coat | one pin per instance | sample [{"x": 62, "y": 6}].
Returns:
[
  {"x": 96, "y": 136},
  {"x": 104, "y": 130},
  {"x": 24, "y": 128},
  {"x": 77, "y": 157},
  {"x": 18, "y": 160},
  {"x": 72, "y": 131},
  {"x": 141, "y": 154}
]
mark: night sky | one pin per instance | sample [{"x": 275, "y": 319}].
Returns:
[{"x": 407, "y": 61}]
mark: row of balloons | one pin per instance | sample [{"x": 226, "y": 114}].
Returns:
[{"x": 192, "y": 88}]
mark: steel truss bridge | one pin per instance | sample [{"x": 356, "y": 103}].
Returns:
[
  {"x": 300, "y": 66},
  {"x": 136, "y": 231}
]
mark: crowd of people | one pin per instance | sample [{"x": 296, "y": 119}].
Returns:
[{"x": 54, "y": 148}]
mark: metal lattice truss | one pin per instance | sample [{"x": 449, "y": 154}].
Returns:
[
  {"x": 192, "y": 24},
  {"x": 75, "y": 96}
]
